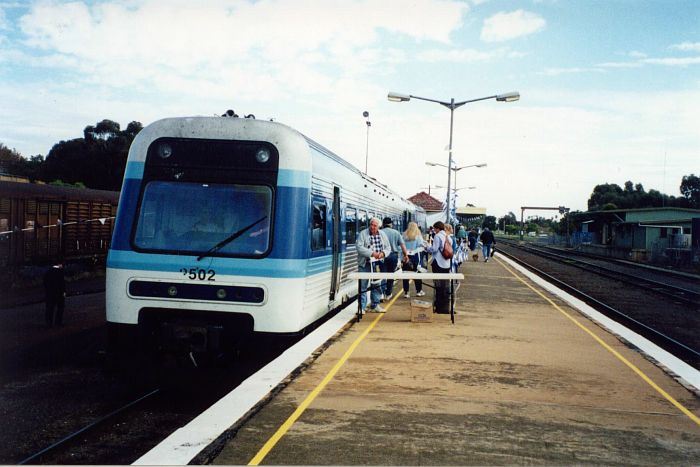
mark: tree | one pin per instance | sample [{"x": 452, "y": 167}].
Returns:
[
  {"x": 605, "y": 194},
  {"x": 98, "y": 159},
  {"x": 490, "y": 222},
  {"x": 13, "y": 163},
  {"x": 690, "y": 189}
]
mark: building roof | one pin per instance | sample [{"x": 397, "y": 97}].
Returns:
[
  {"x": 666, "y": 208},
  {"x": 643, "y": 215},
  {"x": 427, "y": 202}
]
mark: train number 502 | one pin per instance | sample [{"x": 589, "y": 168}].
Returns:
[{"x": 199, "y": 274}]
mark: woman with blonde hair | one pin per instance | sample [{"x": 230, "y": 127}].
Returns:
[{"x": 413, "y": 239}]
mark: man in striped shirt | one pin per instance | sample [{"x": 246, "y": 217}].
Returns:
[{"x": 372, "y": 247}]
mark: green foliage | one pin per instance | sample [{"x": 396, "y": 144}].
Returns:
[
  {"x": 512, "y": 229},
  {"x": 611, "y": 196},
  {"x": 690, "y": 189},
  {"x": 12, "y": 162},
  {"x": 490, "y": 222},
  {"x": 98, "y": 159}
]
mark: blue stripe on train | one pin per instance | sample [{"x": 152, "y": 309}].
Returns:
[
  {"x": 291, "y": 223},
  {"x": 268, "y": 267}
]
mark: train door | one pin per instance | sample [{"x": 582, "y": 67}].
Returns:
[{"x": 336, "y": 233}]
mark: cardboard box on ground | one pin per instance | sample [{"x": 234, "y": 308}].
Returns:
[{"x": 421, "y": 311}]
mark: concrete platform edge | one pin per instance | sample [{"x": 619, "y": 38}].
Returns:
[
  {"x": 187, "y": 442},
  {"x": 688, "y": 376}
]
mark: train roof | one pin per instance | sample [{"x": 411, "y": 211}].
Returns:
[
  {"x": 287, "y": 139},
  {"x": 52, "y": 192}
]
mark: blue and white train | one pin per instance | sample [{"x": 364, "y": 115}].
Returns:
[{"x": 230, "y": 227}]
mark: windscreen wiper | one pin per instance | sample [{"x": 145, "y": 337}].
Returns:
[{"x": 230, "y": 238}]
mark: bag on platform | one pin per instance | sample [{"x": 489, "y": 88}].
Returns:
[
  {"x": 493, "y": 250},
  {"x": 447, "y": 251}
]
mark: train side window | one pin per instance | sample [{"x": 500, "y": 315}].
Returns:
[
  {"x": 350, "y": 226},
  {"x": 363, "y": 221},
  {"x": 318, "y": 227}
]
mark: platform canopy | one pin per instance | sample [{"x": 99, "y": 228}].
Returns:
[
  {"x": 470, "y": 214},
  {"x": 470, "y": 211}
]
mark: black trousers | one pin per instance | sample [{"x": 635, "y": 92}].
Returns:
[{"x": 57, "y": 303}]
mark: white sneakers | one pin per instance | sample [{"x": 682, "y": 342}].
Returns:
[{"x": 418, "y": 294}]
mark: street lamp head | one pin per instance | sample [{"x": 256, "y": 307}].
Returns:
[
  {"x": 508, "y": 97},
  {"x": 397, "y": 97},
  {"x": 481, "y": 165}
]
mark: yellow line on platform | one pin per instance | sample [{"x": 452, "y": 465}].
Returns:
[
  {"x": 282, "y": 430},
  {"x": 631, "y": 365}
]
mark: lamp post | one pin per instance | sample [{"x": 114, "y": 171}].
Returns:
[
  {"x": 369, "y": 124},
  {"x": 452, "y": 105},
  {"x": 455, "y": 190},
  {"x": 457, "y": 169}
]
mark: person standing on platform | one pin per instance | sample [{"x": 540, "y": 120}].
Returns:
[
  {"x": 472, "y": 240},
  {"x": 439, "y": 263},
  {"x": 413, "y": 239},
  {"x": 55, "y": 293},
  {"x": 392, "y": 261},
  {"x": 461, "y": 235},
  {"x": 372, "y": 244},
  {"x": 487, "y": 240}
]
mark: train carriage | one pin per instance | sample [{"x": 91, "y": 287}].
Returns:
[
  {"x": 228, "y": 228},
  {"x": 41, "y": 223}
]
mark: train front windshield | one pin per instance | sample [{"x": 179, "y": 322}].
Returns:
[{"x": 185, "y": 217}]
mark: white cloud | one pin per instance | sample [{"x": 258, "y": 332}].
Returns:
[
  {"x": 637, "y": 54},
  {"x": 456, "y": 55},
  {"x": 4, "y": 23},
  {"x": 179, "y": 44},
  {"x": 620, "y": 65},
  {"x": 572, "y": 70},
  {"x": 687, "y": 46},
  {"x": 672, "y": 61},
  {"x": 506, "y": 26}
]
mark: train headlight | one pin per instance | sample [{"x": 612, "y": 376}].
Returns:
[
  {"x": 262, "y": 156},
  {"x": 172, "y": 291},
  {"x": 221, "y": 294},
  {"x": 165, "y": 150}
]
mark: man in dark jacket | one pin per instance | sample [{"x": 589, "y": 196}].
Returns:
[
  {"x": 55, "y": 287},
  {"x": 487, "y": 241}
]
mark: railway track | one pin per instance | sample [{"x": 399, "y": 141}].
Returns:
[
  {"x": 66, "y": 441},
  {"x": 665, "y": 288},
  {"x": 660, "y": 313}
]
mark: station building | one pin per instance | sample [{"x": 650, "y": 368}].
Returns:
[{"x": 656, "y": 235}]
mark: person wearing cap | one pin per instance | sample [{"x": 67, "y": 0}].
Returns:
[
  {"x": 398, "y": 245},
  {"x": 372, "y": 247}
]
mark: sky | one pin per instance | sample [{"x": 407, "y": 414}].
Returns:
[{"x": 610, "y": 90}]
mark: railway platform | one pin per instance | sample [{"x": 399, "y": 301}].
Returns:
[{"x": 521, "y": 377}]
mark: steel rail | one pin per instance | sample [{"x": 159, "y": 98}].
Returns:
[
  {"x": 668, "y": 290},
  {"x": 675, "y": 347},
  {"x": 92, "y": 425}
]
